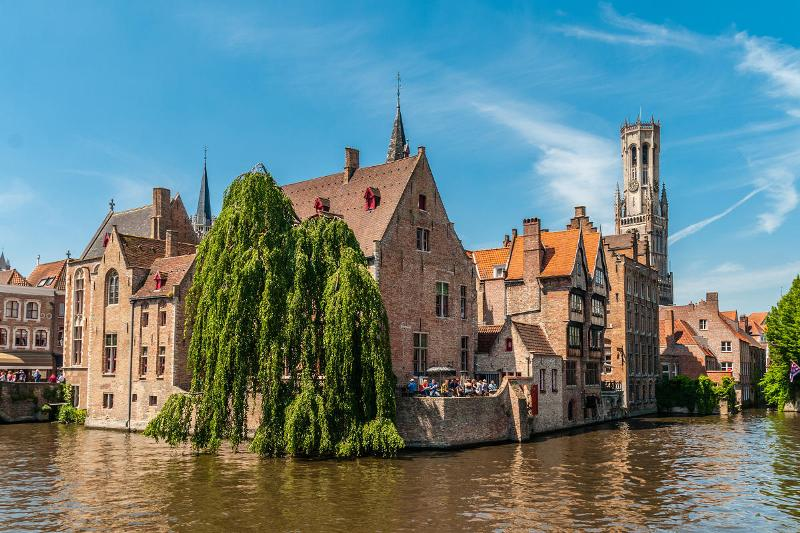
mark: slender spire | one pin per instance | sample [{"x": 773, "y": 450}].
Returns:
[
  {"x": 398, "y": 147},
  {"x": 203, "y": 214}
]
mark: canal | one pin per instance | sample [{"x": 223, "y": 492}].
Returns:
[{"x": 705, "y": 473}]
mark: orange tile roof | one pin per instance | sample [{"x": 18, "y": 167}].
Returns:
[
  {"x": 730, "y": 315},
  {"x": 591, "y": 243},
  {"x": 486, "y": 260},
  {"x": 560, "y": 248},
  {"x": 758, "y": 317},
  {"x": 13, "y": 277},
  {"x": 741, "y": 335},
  {"x": 487, "y": 336},
  {"x": 49, "y": 275}
]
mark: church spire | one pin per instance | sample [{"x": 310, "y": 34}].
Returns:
[
  {"x": 398, "y": 146},
  {"x": 202, "y": 219}
]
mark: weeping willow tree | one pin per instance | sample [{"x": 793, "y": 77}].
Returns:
[{"x": 286, "y": 322}]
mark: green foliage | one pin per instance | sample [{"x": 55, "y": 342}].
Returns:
[
  {"x": 783, "y": 335},
  {"x": 289, "y": 314},
  {"x": 700, "y": 396},
  {"x": 67, "y": 413},
  {"x": 53, "y": 394}
]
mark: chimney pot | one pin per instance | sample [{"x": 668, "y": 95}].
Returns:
[
  {"x": 580, "y": 210},
  {"x": 420, "y": 150}
]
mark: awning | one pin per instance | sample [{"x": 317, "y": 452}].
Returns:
[{"x": 26, "y": 361}]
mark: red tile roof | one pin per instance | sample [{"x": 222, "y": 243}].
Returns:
[
  {"x": 141, "y": 252},
  {"x": 534, "y": 339},
  {"x": 486, "y": 260},
  {"x": 346, "y": 200},
  {"x": 560, "y": 247},
  {"x": 487, "y": 336},
  {"x": 759, "y": 317},
  {"x": 174, "y": 269},
  {"x": 741, "y": 335},
  {"x": 12, "y": 277},
  {"x": 49, "y": 275},
  {"x": 730, "y": 315}
]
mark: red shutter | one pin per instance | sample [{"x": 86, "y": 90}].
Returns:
[{"x": 534, "y": 400}]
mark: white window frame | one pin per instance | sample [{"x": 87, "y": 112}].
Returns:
[
  {"x": 703, "y": 324},
  {"x": 25, "y": 311},
  {"x": 726, "y": 344},
  {"x": 20, "y": 308}
]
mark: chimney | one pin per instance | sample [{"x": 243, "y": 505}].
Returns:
[
  {"x": 159, "y": 214},
  {"x": 533, "y": 251},
  {"x": 171, "y": 247},
  {"x": 712, "y": 298},
  {"x": 580, "y": 211},
  {"x": 646, "y": 250},
  {"x": 350, "y": 163},
  {"x": 670, "y": 322},
  {"x": 420, "y": 150},
  {"x": 506, "y": 240}
]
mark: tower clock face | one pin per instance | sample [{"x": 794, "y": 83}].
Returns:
[{"x": 634, "y": 185}]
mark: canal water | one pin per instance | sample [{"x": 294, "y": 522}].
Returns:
[{"x": 739, "y": 473}]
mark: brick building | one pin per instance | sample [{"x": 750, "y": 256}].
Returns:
[
  {"x": 734, "y": 350},
  {"x": 631, "y": 359},
  {"x": 125, "y": 349},
  {"x": 425, "y": 277},
  {"x": 32, "y": 318},
  {"x": 548, "y": 290}
]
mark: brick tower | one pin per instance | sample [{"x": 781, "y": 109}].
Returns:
[{"x": 639, "y": 207}]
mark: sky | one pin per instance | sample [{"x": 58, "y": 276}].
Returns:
[{"x": 517, "y": 103}]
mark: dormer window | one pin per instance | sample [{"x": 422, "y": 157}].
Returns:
[
  {"x": 498, "y": 271},
  {"x": 106, "y": 238},
  {"x": 372, "y": 198},
  {"x": 322, "y": 205},
  {"x": 509, "y": 344},
  {"x": 161, "y": 280},
  {"x": 423, "y": 202}
]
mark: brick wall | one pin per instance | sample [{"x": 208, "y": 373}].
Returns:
[{"x": 21, "y": 402}]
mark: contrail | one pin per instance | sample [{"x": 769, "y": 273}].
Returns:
[{"x": 697, "y": 226}]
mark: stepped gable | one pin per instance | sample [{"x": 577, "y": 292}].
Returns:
[
  {"x": 345, "y": 198},
  {"x": 49, "y": 275},
  {"x": 174, "y": 269},
  {"x": 534, "y": 339}
]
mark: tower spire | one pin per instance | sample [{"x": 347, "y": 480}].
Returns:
[
  {"x": 202, "y": 219},
  {"x": 398, "y": 146}
]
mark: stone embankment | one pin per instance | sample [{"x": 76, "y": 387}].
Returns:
[{"x": 22, "y": 402}]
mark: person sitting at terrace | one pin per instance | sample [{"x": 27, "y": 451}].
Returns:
[
  {"x": 452, "y": 387},
  {"x": 492, "y": 387},
  {"x": 433, "y": 390},
  {"x": 469, "y": 390},
  {"x": 52, "y": 378},
  {"x": 412, "y": 387}
]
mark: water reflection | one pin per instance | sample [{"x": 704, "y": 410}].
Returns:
[{"x": 663, "y": 473}]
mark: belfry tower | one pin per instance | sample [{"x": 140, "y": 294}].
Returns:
[{"x": 639, "y": 207}]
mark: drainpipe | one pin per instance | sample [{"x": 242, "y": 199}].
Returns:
[{"x": 130, "y": 370}]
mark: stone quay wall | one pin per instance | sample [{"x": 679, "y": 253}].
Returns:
[
  {"x": 22, "y": 402},
  {"x": 444, "y": 422}
]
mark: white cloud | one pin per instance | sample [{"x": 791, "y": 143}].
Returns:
[
  {"x": 15, "y": 194},
  {"x": 725, "y": 268},
  {"x": 578, "y": 168},
  {"x": 695, "y": 284},
  {"x": 778, "y": 62},
  {"x": 783, "y": 197},
  {"x": 697, "y": 226}
]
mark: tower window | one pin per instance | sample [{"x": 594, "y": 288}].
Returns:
[
  {"x": 645, "y": 154},
  {"x": 633, "y": 155}
]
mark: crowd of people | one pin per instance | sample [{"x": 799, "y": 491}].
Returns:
[
  {"x": 450, "y": 387},
  {"x": 25, "y": 376}
]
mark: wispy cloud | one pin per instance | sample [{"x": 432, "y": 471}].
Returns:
[
  {"x": 695, "y": 284},
  {"x": 697, "y": 226},
  {"x": 778, "y": 62},
  {"x": 630, "y": 30},
  {"x": 578, "y": 168},
  {"x": 15, "y": 195}
]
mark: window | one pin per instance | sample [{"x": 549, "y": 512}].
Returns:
[
  {"x": 599, "y": 278},
  {"x": 465, "y": 354},
  {"x": 703, "y": 324},
  {"x": 21, "y": 338},
  {"x": 726, "y": 347},
  {"x": 509, "y": 344},
  {"x": 499, "y": 271},
  {"x": 152, "y": 401},
  {"x": 463, "y": 301},
  {"x": 32, "y": 311},
  {"x": 423, "y": 202},
  {"x": 79, "y": 281},
  {"x": 726, "y": 365},
  {"x": 591, "y": 375},
  {"x": 442, "y": 299},
  {"x": 575, "y": 303},
  {"x": 3, "y": 337},
  {"x": 595, "y": 338},
  {"x": 554, "y": 380},
  {"x": 112, "y": 288},
  {"x": 108, "y": 400},
  {"x": 633, "y": 155},
  {"x": 161, "y": 362},
  {"x": 607, "y": 367},
  {"x": 372, "y": 199},
  {"x": 572, "y": 376},
  {"x": 134, "y": 397},
  {"x": 77, "y": 344},
  {"x": 76, "y": 395},
  {"x": 110, "y": 354},
  {"x": 423, "y": 240},
  {"x": 420, "y": 353},
  {"x": 40, "y": 338},
  {"x": 145, "y": 315},
  {"x": 574, "y": 336},
  {"x": 542, "y": 374},
  {"x": 645, "y": 153},
  {"x": 162, "y": 317},
  {"x": 12, "y": 309},
  {"x": 61, "y": 309},
  {"x": 644, "y": 176},
  {"x": 598, "y": 309},
  {"x": 143, "y": 362},
  {"x": 665, "y": 370}
]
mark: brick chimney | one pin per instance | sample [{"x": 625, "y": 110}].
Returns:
[
  {"x": 712, "y": 299},
  {"x": 351, "y": 163},
  {"x": 159, "y": 214},
  {"x": 646, "y": 250},
  {"x": 580, "y": 220},
  {"x": 506, "y": 240},
  {"x": 670, "y": 318},
  {"x": 171, "y": 247},
  {"x": 532, "y": 249}
]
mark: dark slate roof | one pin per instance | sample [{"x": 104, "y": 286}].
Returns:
[
  {"x": 203, "y": 214},
  {"x": 347, "y": 199},
  {"x": 131, "y": 222},
  {"x": 398, "y": 147},
  {"x": 534, "y": 339}
]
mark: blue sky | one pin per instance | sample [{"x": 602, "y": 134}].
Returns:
[{"x": 518, "y": 104}]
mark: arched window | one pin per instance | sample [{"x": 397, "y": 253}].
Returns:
[
  {"x": 12, "y": 309},
  {"x": 645, "y": 154},
  {"x": 633, "y": 155},
  {"x": 40, "y": 338},
  {"x": 32, "y": 311},
  {"x": 112, "y": 288},
  {"x": 79, "y": 288},
  {"x": 21, "y": 338}
]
